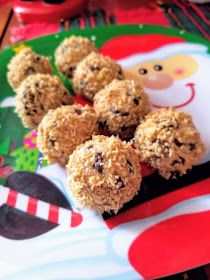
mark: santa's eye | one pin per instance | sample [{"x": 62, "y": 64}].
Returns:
[
  {"x": 158, "y": 67},
  {"x": 143, "y": 71}
]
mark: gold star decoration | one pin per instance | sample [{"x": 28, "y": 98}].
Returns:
[{"x": 20, "y": 47}]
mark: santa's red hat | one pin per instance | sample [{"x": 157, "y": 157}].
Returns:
[{"x": 129, "y": 50}]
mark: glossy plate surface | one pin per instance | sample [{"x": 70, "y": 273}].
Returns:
[{"x": 164, "y": 230}]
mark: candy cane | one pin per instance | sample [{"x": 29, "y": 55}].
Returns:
[{"x": 39, "y": 208}]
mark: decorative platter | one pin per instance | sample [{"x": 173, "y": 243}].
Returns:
[{"x": 164, "y": 230}]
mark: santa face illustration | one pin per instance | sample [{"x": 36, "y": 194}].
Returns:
[
  {"x": 158, "y": 77},
  {"x": 173, "y": 74}
]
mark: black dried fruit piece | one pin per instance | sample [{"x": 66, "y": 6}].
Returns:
[
  {"x": 182, "y": 160},
  {"x": 188, "y": 171},
  {"x": 124, "y": 128},
  {"x": 30, "y": 70},
  {"x": 65, "y": 93},
  {"x": 136, "y": 101},
  {"x": 78, "y": 111},
  {"x": 160, "y": 142},
  {"x": 179, "y": 160},
  {"x": 52, "y": 141},
  {"x": 99, "y": 156},
  {"x": 65, "y": 103},
  {"x": 34, "y": 110},
  {"x": 98, "y": 164},
  {"x": 113, "y": 110},
  {"x": 42, "y": 108},
  {"x": 168, "y": 126},
  {"x": 70, "y": 72},
  {"x": 124, "y": 114},
  {"x": 129, "y": 163},
  {"x": 174, "y": 175},
  {"x": 164, "y": 146},
  {"x": 174, "y": 122},
  {"x": 120, "y": 74},
  {"x": 130, "y": 166},
  {"x": 94, "y": 68},
  {"x": 37, "y": 58},
  {"x": 31, "y": 97},
  {"x": 177, "y": 142},
  {"x": 192, "y": 146},
  {"x": 103, "y": 124},
  {"x": 156, "y": 157},
  {"x": 119, "y": 182}
]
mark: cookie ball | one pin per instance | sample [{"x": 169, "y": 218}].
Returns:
[
  {"x": 104, "y": 173},
  {"x": 27, "y": 63},
  {"x": 93, "y": 73},
  {"x": 120, "y": 107},
  {"x": 63, "y": 129},
  {"x": 70, "y": 52},
  {"x": 169, "y": 141},
  {"x": 37, "y": 94}
]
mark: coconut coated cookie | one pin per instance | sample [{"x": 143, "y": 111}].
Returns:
[
  {"x": 37, "y": 94},
  {"x": 26, "y": 63},
  {"x": 63, "y": 129},
  {"x": 168, "y": 140},
  {"x": 104, "y": 173},
  {"x": 120, "y": 106},
  {"x": 70, "y": 52},
  {"x": 93, "y": 73}
]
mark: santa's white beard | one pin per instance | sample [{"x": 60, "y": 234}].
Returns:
[{"x": 198, "y": 108}]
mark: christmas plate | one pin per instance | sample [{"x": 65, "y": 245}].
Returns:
[{"x": 164, "y": 230}]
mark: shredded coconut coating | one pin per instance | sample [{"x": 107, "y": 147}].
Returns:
[
  {"x": 93, "y": 73},
  {"x": 37, "y": 94},
  {"x": 120, "y": 106},
  {"x": 169, "y": 141},
  {"x": 63, "y": 129},
  {"x": 70, "y": 52},
  {"x": 26, "y": 63},
  {"x": 104, "y": 173}
]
